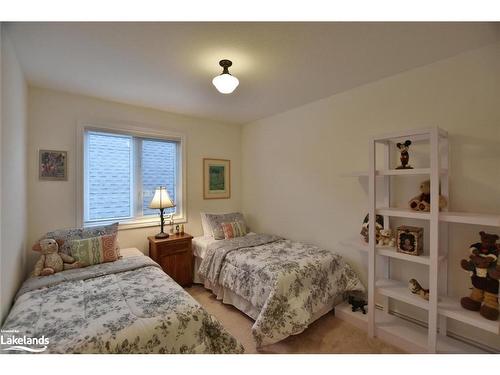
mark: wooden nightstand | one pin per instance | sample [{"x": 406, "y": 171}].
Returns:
[{"x": 175, "y": 256}]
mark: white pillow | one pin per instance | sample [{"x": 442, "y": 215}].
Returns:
[{"x": 207, "y": 229}]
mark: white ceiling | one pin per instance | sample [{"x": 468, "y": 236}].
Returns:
[{"x": 170, "y": 66}]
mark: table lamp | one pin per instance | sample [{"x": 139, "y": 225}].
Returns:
[{"x": 161, "y": 200}]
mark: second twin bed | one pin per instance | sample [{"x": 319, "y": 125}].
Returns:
[{"x": 283, "y": 285}]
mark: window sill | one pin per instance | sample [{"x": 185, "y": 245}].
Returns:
[
  {"x": 138, "y": 223},
  {"x": 135, "y": 224}
]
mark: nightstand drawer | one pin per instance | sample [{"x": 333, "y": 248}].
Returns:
[{"x": 173, "y": 248}]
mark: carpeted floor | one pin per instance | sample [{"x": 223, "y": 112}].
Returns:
[{"x": 326, "y": 335}]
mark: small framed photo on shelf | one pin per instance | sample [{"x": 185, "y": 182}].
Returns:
[
  {"x": 53, "y": 165},
  {"x": 216, "y": 179},
  {"x": 410, "y": 240}
]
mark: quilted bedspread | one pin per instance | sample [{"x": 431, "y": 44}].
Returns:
[
  {"x": 127, "y": 306},
  {"x": 289, "y": 282}
]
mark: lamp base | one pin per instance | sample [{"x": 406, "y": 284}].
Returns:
[{"x": 161, "y": 235}]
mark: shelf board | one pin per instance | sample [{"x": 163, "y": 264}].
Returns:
[
  {"x": 414, "y": 135},
  {"x": 399, "y": 291},
  {"x": 402, "y": 333},
  {"x": 491, "y": 220},
  {"x": 470, "y": 218},
  {"x": 358, "y": 244},
  {"x": 393, "y": 172},
  {"x": 403, "y": 212},
  {"x": 451, "y": 308},
  {"x": 402, "y": 172}
]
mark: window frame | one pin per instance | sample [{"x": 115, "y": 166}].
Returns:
[{"x": 132, "y": 130}]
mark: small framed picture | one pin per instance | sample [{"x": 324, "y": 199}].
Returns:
[
  {"x": 53, "y": 165},
  {"x": 216, "y": 179},
  {"x": 410, "y": 240}
]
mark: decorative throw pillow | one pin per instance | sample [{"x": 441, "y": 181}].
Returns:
[
  {"x": 102, "y": 230},
  {"x": 94, "y": 250},
  {"x": 66, "y": 236},
  {"x": 63, "y": 236},
  {"x": 232, "y": 230},
  {"x": 215, "y": 221}
]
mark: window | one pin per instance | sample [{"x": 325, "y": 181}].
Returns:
[{"x": 121, "y": 172}]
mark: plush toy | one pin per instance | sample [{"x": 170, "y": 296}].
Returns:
[
  {"x": 379, "y": 224},
  {"x": 357, "y": 304},
  {"x": 485, "y": 273},
  {"x": 405, "y": 156},
  {"x": 422, "y": 202},
  {"x": 416, "y": 288},
  {"x": 51, "y": 261},
  {"x": 386, "y": 238}
]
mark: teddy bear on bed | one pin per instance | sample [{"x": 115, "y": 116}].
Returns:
[
  {"x": 51, "y": 260},
  {"x": 485, "y": 274},
  {"x": 422, "y": 202}
]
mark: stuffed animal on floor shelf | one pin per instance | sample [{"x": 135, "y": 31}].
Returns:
[
  {"x": 386, "y": 238},
  {"x": 416, "y": 288},
  {"x": 484, "y": 273},
  {"x": 357, "y": 304},
  {"x": 422, "y": 202},
  {"x": 51, "y": 260}
]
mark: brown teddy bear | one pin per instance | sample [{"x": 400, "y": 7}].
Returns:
[
  {"x": 422, "y": 202},
  {"x": 485, "y": 273},
  {"x": 51, "y": 261}
]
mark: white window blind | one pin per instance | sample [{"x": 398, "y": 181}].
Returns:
[{"x": 121, "y": 173}]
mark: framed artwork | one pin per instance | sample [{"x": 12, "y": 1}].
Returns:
[
  {"x": 216, "y": 179},
  {"x": 53, "y": 165}
]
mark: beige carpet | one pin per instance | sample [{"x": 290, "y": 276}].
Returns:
[{"x": 326, "y": 335}]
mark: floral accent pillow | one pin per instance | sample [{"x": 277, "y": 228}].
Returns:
[
  {"x": 215, "y": 221},
  {"x": 66, "y": 236},
  {"x": 63, "y": 237},
  {"x": 94, "y": 250},
  {"x": 232, "y": 230}
]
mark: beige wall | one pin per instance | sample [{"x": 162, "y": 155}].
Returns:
[
  {"x": 53, "y": 118},
  {"x": 13, "y": 202},
  {"x": 292, "y": 161}
]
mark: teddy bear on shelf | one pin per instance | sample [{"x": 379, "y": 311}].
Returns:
[
  {"x": 484, "y": 273},
  {"x": 422, "y": 202},
  {"x": 51, "y": 260},
  {"x": 386, "y": 238}
]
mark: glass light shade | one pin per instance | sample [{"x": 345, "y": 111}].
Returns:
[
  {"x": 161, "y": 199},
  {"x": 225, "y": 83}
]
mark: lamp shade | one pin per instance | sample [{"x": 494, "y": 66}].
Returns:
[
  {"x": 225, "y": 83},
  {"x": 161, "y": 199}
]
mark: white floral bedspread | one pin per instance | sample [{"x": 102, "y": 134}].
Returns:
[
  {"x": 127, "y": 306},
  {"x": 290, "y": 282}
]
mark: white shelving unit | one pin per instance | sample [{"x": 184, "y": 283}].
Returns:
[{"x": 440, "y": 307}]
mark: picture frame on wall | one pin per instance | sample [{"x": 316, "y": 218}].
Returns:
[
  {"x": 52, "y": 165},
  {"x": 216, "y": 178}
]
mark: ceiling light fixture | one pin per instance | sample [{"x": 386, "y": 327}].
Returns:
[{"x": 225, "y": 83}]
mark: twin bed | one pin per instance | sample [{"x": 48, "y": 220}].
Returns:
[
  {"x": 126, "y": 306},
  {"x": 132, "y": 306},
  {"x": 281, "y": 284}
]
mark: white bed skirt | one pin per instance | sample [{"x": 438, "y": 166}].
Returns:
[{"x": 227, "y": 296}]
